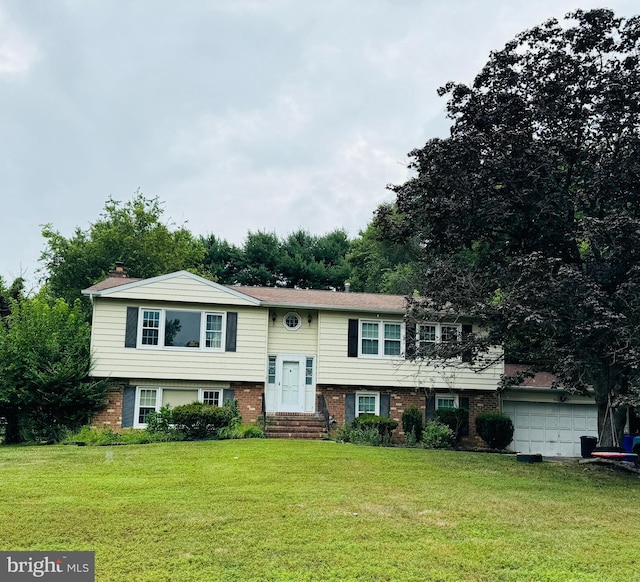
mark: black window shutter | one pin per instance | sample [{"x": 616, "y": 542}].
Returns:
[
  {"x": 464, "y": 403},
  {"x": 128, "y": 406},
  {"x": 349, "y": 407},
  {"x": 430, "y": 405},
  {"x": 410, "y": 340},
  {"x": 467, "y": 354},
  {"x": 385, "y": 405},
  {"x": 228, "y": 395},
  {"x": 352, "y": 349},
  {"x": 131, "y": 332},
  {"x": 232, "y": 331}
]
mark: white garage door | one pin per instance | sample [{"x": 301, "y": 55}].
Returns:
[{"x": 552, "y": 429}]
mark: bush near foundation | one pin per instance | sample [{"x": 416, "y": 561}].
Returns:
[
  {"x": 412, "y": 425},
  {"x": 200, "y": 421},
  {"x": 495, "y": 429},
  {"x": 454, "y": 418},
  {"x": 383, "y": 424}
]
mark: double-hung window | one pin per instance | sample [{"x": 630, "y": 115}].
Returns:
[
  {"x": 433, "y": 335},
  {"x": 367, "y": 403},
  {"x": 381, "y": 338},
  {"x": 181, "y": 328},
  {"x": 147, "y": 401}
]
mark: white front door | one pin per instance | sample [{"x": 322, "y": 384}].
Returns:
[{"x": 291, "y": 386}]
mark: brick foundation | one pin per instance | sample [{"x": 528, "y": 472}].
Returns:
[
  {"x": 249, "y": 397},
  {"x": 479, "y": 403},
  {"x": 401, "y": 399},
  {"x": 111, "y": 415}
]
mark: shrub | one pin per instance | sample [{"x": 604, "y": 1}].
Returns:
[
  {"x": 437, "y": 436},
  {"x": 412, "y": 425},
  {"x": 241, "y": 431},
  {"x": 105, "y": 437},
  {"x": 383, "y": 424},
  {"x": 454, "y": 418},
  {"x": 367, "y": 435},
  {"x": 161, "y": 421},
  {"x": 250, "y": 431},
  {"x": 199, "y": 421},
  {"x": 495, "y": 429}
]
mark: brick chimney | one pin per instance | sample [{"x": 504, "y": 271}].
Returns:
[{"x": 119, "y": 271}]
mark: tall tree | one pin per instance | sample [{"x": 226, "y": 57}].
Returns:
[
  {"x": 45, "y": 363},
  {"x": 301, "y": 260},
  {"x": 132, "y": 233},
  {"x": 15, "y": 292},
  {"x": 529, "y": 213},
  {"x": 383, "y": 259}
]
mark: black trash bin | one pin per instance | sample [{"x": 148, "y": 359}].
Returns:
[{"x": 587, "y": 445}]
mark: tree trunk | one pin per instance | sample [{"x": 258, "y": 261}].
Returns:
[
  {"x": 612, "y": 416},
  {"x": 611, "y": 423},
  {"x": 12, "y": 430}
]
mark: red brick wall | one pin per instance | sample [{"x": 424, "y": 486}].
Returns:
[
  {"x": 111, "y": 415},
  {"x": 249, "y": 397},
  {"x": 479, "y": 402},
  {"x": 400, "y": 400}
]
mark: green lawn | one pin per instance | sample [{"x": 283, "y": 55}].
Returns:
[{"x": 292, "y": 510}]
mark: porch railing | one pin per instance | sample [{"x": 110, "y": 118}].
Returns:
[{"x": 323, "y": 411}]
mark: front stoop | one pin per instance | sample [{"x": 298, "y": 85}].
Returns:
[{"x": 293, "y": 425}]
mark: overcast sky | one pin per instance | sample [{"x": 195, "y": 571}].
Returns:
[{"x": 240, "y": 115}]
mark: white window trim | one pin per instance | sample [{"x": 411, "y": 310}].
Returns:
[
  {"x": 161, "y": 330},
  {"x": 381, "y": 323},
  {"x": 136, "y": 409},
  {"x": 284, "y": 321},
  {"x": 438, "y": 327},
  {"x": 454, "y": 397},
  {"x": 220, "y": 392},
  {"x": 376, "y": 395}
]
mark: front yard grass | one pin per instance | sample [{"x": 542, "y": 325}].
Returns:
[{"x": 303, "y": 511}]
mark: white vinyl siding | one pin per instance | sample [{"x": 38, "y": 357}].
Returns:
[
  {"x": 282, "y": 340},
  {"x": 335, "y": 367},
  {"x": 113, "y": 360},
  {"x": 181, "y": 288}
]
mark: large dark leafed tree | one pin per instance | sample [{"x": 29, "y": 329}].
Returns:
[{"x": 529, "y": 213}]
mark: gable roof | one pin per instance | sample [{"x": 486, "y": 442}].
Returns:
[
  {"x": 185, "y": 287},
  {"x": 263, "y": 296},
  {"x": 314, "y": 299}
]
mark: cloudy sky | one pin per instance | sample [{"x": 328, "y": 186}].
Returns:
[{"x": 240, "y": 115}]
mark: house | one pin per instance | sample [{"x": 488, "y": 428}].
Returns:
[{"x": 178, "y": 338}]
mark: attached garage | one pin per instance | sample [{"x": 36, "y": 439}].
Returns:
[{"x": 551, "y": 428}]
